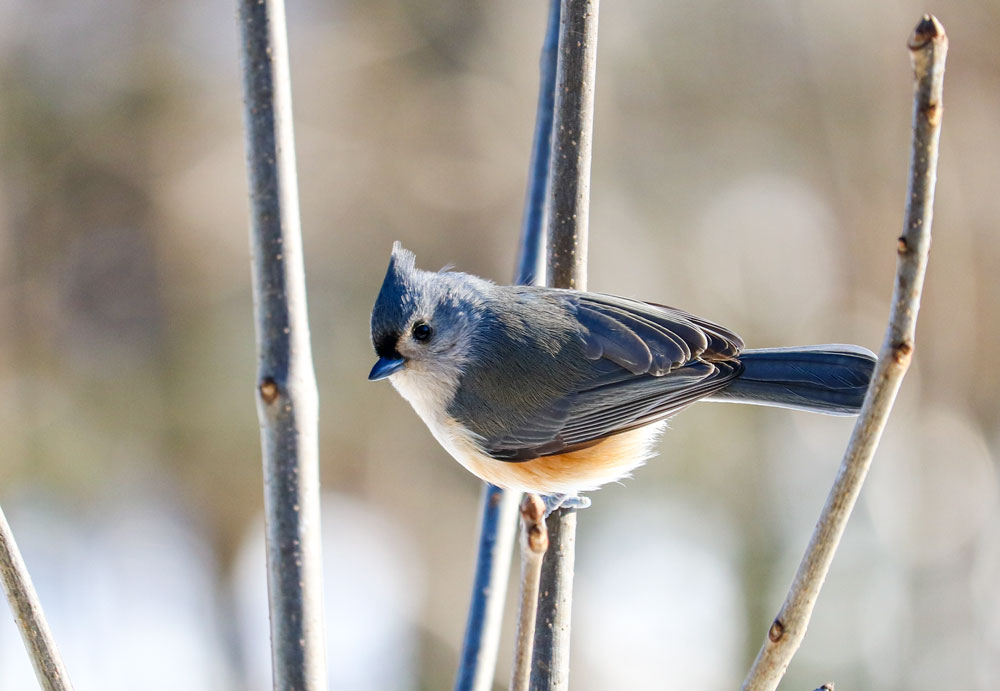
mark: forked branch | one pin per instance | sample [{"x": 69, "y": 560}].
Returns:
[{"x": 928, "y": 48}]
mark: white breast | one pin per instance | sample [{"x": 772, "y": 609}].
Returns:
[{"x": 430, "y": 396}]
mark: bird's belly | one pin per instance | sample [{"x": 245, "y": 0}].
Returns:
[{"x": 611, "y": 459}]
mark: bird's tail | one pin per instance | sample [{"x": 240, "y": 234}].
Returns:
[{"x": 829, "y": 379}]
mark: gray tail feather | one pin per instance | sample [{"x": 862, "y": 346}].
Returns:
[{"x": 829, "y": 379}]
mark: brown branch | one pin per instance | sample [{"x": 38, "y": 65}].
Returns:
[
  {"x": 928, "y": 49},
  {"x": 28, "y": 614},
  {"x": 534, "y": 543}
]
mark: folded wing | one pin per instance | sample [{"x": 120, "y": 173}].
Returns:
[{"x": 645, "y": 363}]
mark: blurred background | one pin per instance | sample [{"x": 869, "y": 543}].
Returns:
[{"x": 749, "y": 166}]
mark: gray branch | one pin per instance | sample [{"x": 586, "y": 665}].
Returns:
[
  {"x": 287, "y": 401},
  {"x": 530, "y": 267},
  {"x": 28, "y": 614},
  {"x": 477, "y": 663},
  {"x": 566, "y": 267},
  {"x": 928, "y": 48},
  {"x": 478, "y": 660},
  {"x": 569, "y": 193},
  {"x": 550, "y": 658}
]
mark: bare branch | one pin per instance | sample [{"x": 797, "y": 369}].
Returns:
[
  {"x": 928, "y": 47},
  {"x": 28, "y": 614},
  {"x": 530, "y": 269},
  {"x": 534, "y": 543},
  {"x": 550, "y": 657},
  {"x": 287, "y": 402},
  {"x": 566, "y": 267},
  {"x": 477, "y": 665},
  {"x": 569, "y": 194}
]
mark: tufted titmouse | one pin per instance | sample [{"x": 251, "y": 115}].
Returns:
[{"x": 560, "y": 391}]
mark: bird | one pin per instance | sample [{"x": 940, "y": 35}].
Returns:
[{"x": 558, "y": 392}]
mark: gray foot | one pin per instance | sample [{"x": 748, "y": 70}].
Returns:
[{"x": 564, "y": 501}]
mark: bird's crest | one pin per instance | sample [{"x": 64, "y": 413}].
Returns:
[{"x": 396, "y": 298}]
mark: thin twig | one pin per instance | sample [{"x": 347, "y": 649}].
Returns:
[
  {"x": 477, "y": 664},
  {"x": 287, "y": 402},
  {"x": 928, "y": 47},
  {"x": 534, "y": 543},
  {"x": 566, "y": 267},
  {"x": 530, "y": 269},
  {"x": 27, "y": 611}
]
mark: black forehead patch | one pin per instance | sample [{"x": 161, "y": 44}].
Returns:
[{"x": 385, "y": 346}]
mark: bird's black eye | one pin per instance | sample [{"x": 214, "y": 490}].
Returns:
[{"x": 421, "y": 332}]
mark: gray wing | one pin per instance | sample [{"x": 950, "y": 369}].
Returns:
[{"x": 645, "y": 362}]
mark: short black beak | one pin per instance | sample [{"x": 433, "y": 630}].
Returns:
[{"x": 384, "y": 367}]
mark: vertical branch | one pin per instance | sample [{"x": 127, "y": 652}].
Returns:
[
  {"x": 534, "y": 544},
  {"x": 566, "y": 267},
  {"x": 569, "y": 192},
  {"x": 928, "y": 47},
  {"x": 28, "y": 614},
  {"x": 550, "y": 657},
  {"x": 529, "y": 264},
  {"x": 287, "y": 401},
  {"x": 477, "y": 664}
]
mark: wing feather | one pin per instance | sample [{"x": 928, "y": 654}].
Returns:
[{"x": 646, "y": 362}]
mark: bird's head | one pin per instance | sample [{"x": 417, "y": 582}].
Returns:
[{"x": 422, "y": 320}]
